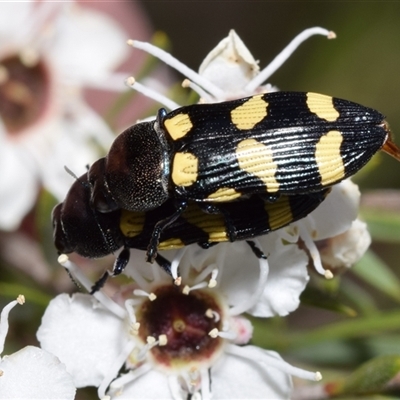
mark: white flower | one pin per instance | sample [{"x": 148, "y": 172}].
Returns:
[
  {"x": 229, "y": 71},
  {"x": 179, "y": 340},
  {"x": 31, "y": 373},
  {"x": 48, "y": 53},
  {"x": 334, "y": 216}
]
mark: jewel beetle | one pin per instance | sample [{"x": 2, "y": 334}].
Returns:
[
  {"x": 271, "y": 144},
  {"x": 78, "y": 227}
]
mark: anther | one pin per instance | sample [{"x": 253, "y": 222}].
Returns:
[{"x": 214, "y": 333}]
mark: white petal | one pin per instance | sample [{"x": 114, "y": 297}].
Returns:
[
  {"x": 239, "y": 378},
  {"x": 84, "y": 336},
  {"x": 89, "y": 44},
  {"x": 346, "y": 249},
  {"x": 287, "y": 278},
  {"x": 32, "y": 373},
  {"x": 19, "y": 186},
  {"x": 152, "y": 385},
  {"x": 230, "y": 66},
  {"x": 337, "y": 212},
  {"x": 13, "y": 15},
  {"x": 239, "y": 268}
]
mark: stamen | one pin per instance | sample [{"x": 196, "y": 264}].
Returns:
[
  {"x": 29, "y": 57},
  {"x": 261, "y": 282},
  {"x": 187, "y": 289},
  {"x": 142, "y": 293},
  {"x": 182, "y": 68},
  {"x": 214, "y": 333},
  {"x": 87, "y": 284},
  {"x": 285, "y": 54},
  {"x": 115, "y": 367},
  {"x": 212, "y": 314},
  {"x": 314, "y": 253},
  {"x": 213, "y": 280},
  {"x": 270, "y": 359},
  {"x": 204, "y": 96},
  {"x": 175, "y": 265},
  {"x": 4, "y": 319},
  {"x": 152, "y": 94}
]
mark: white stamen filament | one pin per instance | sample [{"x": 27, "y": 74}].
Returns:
[
  {"x": 252, "y": 300},
  {"x": 142, "y": 293},
  {"x": 284, "y": 55},
  {"x": 152, "y": 94},
  {"x": 4, "y": 319},
  {"x": 187, "y": 289},
  {"x": 87, "y": 284},
  {"x": 175, "y": 265},
  {"x": 115, "y": 367},
  {"x": 204, "y": 96},
  {"x": 313, "y": 250},
  {"x": 151, "y": 342},
  {"x": 269, "y": 359},
  {"x": 176, "y": 64},
  {"x": 113, "y": 82},
  {"x": 129, "y": 306},
  {"x": 206, "y": 272}
]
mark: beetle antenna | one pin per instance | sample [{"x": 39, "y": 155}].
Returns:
[{"x": 69, "y": 172}]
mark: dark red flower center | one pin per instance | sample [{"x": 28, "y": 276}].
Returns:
[
  {"x": 24, "y": 92},
  {"x": 185, "y": 322}
]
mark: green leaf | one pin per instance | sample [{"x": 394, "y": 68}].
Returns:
[
  {"x": 318, "y": 298},
  {"x": 375, "y": 272},
  {"x": 383, "y": 225},
  {"x": 372, "y": 377}
]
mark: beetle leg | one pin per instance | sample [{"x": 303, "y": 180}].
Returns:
[
  {"x": 119, "y": 265},
  {"x": 219, "y": 209},
  {"x": 164, "y": 264},
  {"x": 256, "y": 250},
  {"x": 159, "y": 228}
]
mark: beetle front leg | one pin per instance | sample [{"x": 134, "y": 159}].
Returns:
[{"x": 159, "y": 228}]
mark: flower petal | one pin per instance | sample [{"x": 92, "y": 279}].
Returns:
[
  {"x": 89, "y": 44},
  {"x": 151, "y": 385},
  {"x": 239, "y": 378},
  {"x": 337, "y": 212},
  {"x": 287, "y": 278},
  {"x": 230, "y": 66},
  {"x": 19, "y": 186},
  {"x": 32, "y": 373},
  {"x": 86, "y": 337}
]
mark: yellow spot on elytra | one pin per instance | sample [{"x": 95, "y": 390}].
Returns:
[
  {"x": 322, "y": 106},
  {"x": 178, "y": 126},
  {"x": 329, "y": 159},
  {"x": 224, "y": 194},
  {"x": 250, "y": 113},
  {"x": 171, "y": 244},
  {"x": 212, "y": 224},
  {"x": 131, "y": 223},
  {"x": 279, "y": 213},
  {"x": 185, "y": 169},
  {"x": 256, "y": 158}
]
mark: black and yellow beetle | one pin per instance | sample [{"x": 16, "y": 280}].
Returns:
[
  {"x": 77, "y": 227},
  {"x": 273, "y": 144}
]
